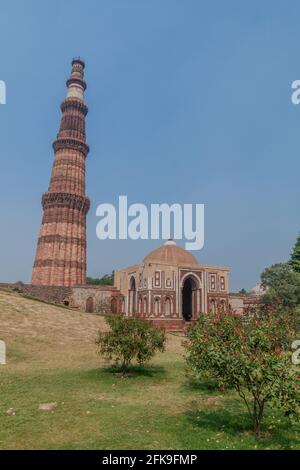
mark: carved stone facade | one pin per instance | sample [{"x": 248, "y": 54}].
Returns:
[
  {"x": 171, "y": 288},
  {"x": 61, "y": 250}
]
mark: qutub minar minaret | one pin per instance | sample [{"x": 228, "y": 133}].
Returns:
[{"x": 61, "y": 251}]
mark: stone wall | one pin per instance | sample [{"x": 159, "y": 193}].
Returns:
[
  {"x": 87, "y": 298},
  {"x": 171, "y": 325},
  {"x": 236, "y": 303},
  {"x": 239, "y": 303},
  {"x": 92, "y": 298},
  {"x": 55, "y": 294}
]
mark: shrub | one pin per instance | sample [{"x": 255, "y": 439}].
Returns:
[
  {"x": 250, "y": 357},
  {"x": 129, "y": 339}
]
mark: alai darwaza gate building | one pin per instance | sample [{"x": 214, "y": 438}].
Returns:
[{"x": 170, "y": 287}]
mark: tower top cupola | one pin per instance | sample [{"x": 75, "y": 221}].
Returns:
[{"x": 76, "y": 84}]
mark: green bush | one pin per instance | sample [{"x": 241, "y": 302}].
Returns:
[
  {"x": 130, "y": 339},
  {"x": 251, "y": 357}
]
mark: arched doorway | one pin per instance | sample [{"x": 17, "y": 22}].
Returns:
[
  {"x": 132, "y": 296},
  {"x": 145, "y": 306},
  {"x": 188, "y": 300},
  {"x": 213, "y": 306},
  {"x": 168, "y": 306},
  {"x": 89, "y": 305},
  {"x": 157, "y": 306}
]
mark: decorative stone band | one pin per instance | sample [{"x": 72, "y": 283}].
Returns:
[
  {"x": 61, "y": 144},
  {"x": 62, "y": 239},
  {"x": 68, "y": 161},
  {"x": 58, "y": 263},
  {"x": 66, "y": 179},
  {"x": 78, "y": 81},
  {"x": 71, "y": 201},
  {"x": 57, "y": 218},
  {"x": 73, "y": 103}
]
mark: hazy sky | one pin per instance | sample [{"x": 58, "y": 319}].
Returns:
[{"x": 189, "y": 101}]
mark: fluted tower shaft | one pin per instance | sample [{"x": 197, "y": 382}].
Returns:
[{"x": 61, "y": 251}]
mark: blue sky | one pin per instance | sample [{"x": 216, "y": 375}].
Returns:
[{"x": 189, "y": 102}]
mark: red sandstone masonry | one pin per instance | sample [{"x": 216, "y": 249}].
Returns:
[{"x": 61, "y": 252}]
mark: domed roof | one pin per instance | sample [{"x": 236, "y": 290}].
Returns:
[{"x": 170, "y": 253}]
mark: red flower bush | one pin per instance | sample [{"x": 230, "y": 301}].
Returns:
[{"x": 249, "y": 354}]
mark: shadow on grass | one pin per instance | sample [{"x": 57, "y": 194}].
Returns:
[
  {"x": 237, "y": 423},
  {"x": 137, "y": 371},
  {"x": 110, "y": 373},
  {"x": 205, "y": 385},
  {"x": 216, "y": 420}
]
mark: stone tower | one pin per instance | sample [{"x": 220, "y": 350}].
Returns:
[{"x": 61, "y": 251}]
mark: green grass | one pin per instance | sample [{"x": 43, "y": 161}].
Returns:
[{"x": 156, "y": 407}]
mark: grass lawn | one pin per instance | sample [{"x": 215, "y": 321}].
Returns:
[{"x": 51, "y": 355}]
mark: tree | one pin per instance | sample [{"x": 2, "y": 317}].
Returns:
[
  {"x": 242, "y": 291},
  {"x": 295, "y": 256},
  {"x": 106, "y": 280},
  {"x": 250, "y": 357},
  {"x": 129, "y": 339},
  {"x": 282, "y": 285},
  {"x": 282, "y": 290}
]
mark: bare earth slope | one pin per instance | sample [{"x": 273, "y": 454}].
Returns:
[{"x": 49, "y": 335}]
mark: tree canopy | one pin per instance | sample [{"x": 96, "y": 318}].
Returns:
[
  {"x": 106, "y": 280},
  {"x": 295, "y": 256}
]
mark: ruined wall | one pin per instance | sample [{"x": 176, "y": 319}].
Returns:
[
  {"x": 237, "y": 303},
  {"x": 92, "y": 298},
  {"x": 98, "y": 299},
  {"x": 55, "y": 294}
]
